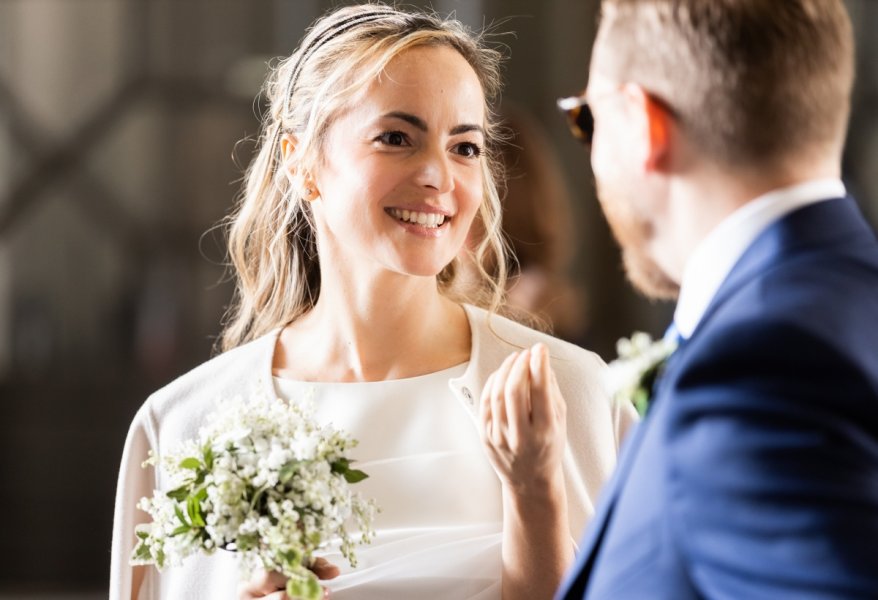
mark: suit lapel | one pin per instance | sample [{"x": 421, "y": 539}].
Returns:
[{"x": 574, "y": 585}]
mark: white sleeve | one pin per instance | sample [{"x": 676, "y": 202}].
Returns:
[{"x": 134, "y": 483}]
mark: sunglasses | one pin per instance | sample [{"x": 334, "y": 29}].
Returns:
[{"x": 579, "y": 117}]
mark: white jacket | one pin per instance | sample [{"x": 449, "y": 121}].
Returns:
[{"x": 596, "y": 427}]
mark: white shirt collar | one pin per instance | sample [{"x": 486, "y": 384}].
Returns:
[{"x": 716, "y": 254}]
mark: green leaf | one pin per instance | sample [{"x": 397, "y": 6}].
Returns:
[
  {"x": 208, "y": 458},
  {"x": 288, "y": 470},
  {"x": 141, "y": 552},
  {"x": 641, "y": 402},
  {"x": 181, "y": 529},
  {"x": 180, "y": 516},
  {"x": 190, "y": 463},
  {"x": 246, "y": 541},
  {"x": 179, "y": 494},
  {"x": 257, "y": 497},
  {"x": 291, "y": 558},
  {"x": 193, "y": 507},
  {"x": 354, "y": 476},
  {"x": 304, "y": 588},
  {"x": 341, "y": 466}
]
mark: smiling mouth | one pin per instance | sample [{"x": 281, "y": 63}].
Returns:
[{"x": 428, "y": 220}]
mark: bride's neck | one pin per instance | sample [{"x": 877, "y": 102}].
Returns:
[{"x": 396, "y": 329}]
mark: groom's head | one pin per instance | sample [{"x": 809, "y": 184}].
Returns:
[
  {"x": 689, "y": 86},
  {"x": 749, "y": 81}
]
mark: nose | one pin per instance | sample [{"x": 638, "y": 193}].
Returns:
[{"x": 435, "y": 171}]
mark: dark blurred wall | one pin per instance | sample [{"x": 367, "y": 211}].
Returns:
[{"x": 118, "y": 122}]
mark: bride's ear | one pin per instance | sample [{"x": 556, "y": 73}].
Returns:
[
  {"x": 298, "y": 179},
  {"x": 288, "y": 143}
]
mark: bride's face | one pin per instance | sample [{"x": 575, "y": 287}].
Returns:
[{"x": 402, "y": 175}]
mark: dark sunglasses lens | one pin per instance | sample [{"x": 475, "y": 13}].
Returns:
[
  {"x": 584, "y": 121},
  {"x": 579, "y": 118}
]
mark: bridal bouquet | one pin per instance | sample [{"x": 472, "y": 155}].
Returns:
[{"x": 264, "y": 480}]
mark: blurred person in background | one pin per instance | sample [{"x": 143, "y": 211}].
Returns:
[
  {"x": 374, "y": 159},
  {"x": 538, "y": 224}
]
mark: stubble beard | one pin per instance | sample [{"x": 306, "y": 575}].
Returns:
[{"x": 633, "y": 234}]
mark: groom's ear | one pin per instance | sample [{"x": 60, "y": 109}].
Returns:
[{"x": 651, "y": 122}]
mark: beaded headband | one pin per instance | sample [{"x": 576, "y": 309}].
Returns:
[{"x": 331, "y": 32}]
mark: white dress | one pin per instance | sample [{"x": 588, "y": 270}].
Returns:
[
  {"x": 438, "y": 535},
  {"x": 420, "y": 446}
]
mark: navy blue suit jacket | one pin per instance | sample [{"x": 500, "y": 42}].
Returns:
[{"x": 755, "y": 472}]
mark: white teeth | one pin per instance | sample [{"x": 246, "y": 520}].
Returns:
[{"x": 429, "y": 220}]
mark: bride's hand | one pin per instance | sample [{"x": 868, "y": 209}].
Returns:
[
  {"x": 524, "y": 422},
  {"x": 270, "y": 585}
]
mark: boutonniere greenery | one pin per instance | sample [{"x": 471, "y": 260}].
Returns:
[{"x": 631, "y": 377}]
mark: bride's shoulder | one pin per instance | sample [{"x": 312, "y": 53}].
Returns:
[
  {"x": 496, "y": 334},
  {"x": 239, "y": 371}
]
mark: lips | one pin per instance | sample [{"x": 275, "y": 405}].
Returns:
[{"x": 429, "y": 220}]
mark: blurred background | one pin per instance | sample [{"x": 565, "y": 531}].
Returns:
[{"x": 119, "y": 121}]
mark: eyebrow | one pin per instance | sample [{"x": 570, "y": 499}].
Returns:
[{"x": 419, "y": 123}]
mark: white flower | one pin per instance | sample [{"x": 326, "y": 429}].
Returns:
[
  {"x": 305, "y": 447},
  {"x": 630, "y": 377},
  {"x": 233, "y": 436}
]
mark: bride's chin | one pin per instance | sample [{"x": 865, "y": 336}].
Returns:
[{"x": 428, "y": 268}]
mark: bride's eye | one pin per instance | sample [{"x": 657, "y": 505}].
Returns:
[
  {"x": 393, "y": 138},
  {"x": 468, "y": 150}
]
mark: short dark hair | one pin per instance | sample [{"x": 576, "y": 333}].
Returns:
[{"x": 750, "y": 81}]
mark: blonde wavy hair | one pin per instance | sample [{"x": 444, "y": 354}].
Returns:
[{"x": 271, "y": 239}]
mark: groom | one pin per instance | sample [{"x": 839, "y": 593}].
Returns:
[{"x": 718, "y": 134}]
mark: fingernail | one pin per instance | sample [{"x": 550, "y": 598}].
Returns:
[{"x": 535, "y": 357}]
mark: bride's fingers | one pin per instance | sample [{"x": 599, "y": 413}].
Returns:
[
  {"x": 498, "y": 405},
  {"x": 324, "y": 569},
  {"x": 541, "y": 392},
  {"x": 263, "y": 584},
  {"x": 516, "y": 395}
]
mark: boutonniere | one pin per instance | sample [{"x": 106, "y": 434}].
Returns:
[{"x": 631, "y": 377}]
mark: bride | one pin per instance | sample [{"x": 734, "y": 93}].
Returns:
[{"x": 375, "y": 157}]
